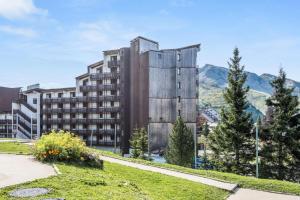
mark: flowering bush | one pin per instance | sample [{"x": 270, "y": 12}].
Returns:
[{"x": 59, "y": 146}]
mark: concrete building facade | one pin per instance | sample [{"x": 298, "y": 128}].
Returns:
[{"x": 132, "y": 87}]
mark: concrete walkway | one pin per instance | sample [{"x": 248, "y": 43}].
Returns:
[
  {"x": 247, "y": 194},
  {"x": 15, "y": 169},
  {"x": 206, "y": 181},
  {"x": 238, "y": 193}
]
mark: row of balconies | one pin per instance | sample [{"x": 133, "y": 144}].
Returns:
[
  {"x": 81, "y": 110},
  {"x": 81, "y": 99},
  {"x": 88, "y": 88},
  {"x": 101, "y": 76},
  {"x": 81, "y": 121}
]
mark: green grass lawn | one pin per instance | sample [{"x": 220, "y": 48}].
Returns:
[
  {"x": 14, "y": 147},
  {"x": 117, "y": 182},
  {"x": 243, "y": 181}
]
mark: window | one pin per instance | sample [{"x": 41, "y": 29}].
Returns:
[
  {"x": 178, "y": 71},
  {"x": 100, "y": 104},
  {"x": 112, "y": 126},
  {"x": 113, "y": 92},
  {"x": 59, "y": 116},
  {"x": 112, "y": 104},
  {"x": 60, "y": 95},
  {"x": 73, "y": 115},
  {"x": 113, "y": 58},
  {"x": 179, "y": 85},
  {"x": 72, "y": 94},
  {"x": 84, "y": 104},
  {"x": 100, "y": 126},
  {"x": 85, "y": 82},
  {"x": 49, "y": 116},
  {"x": 112, "y": 137},
  {"x": 60, "y": 105},
  {"x": 84, "y": 115},
  {"x": 48, "y": 95},
  {"x": 99, "y": 70},
  {"x": 84, "y": 126},
  {"x": 113, "y": 115},
  {"x": 178, "y": 56},
  {"x": 179, "y": 113},
  {"x": 101, "y": 137},
  {"x": 73, "y": 105},
  {"x": 84, "y": 94},
  {"x": 113, "y": 81},
  {"x": 159, "y": 56},
  {"x": 179, "y": 99},
  {"x": 101, "y": 115},
  {"x": 34, "y": 101},
  {"x": 99, "y": 82},
  {"x": 100, "y": 93},
  {"x": 59, "y": 126},
  {"x": 48, "y": 126},
  {"x": 48, "y": 105},
  {"x": 73, "y": 126}
]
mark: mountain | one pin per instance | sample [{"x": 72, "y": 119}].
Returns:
[{"x": 213, "y": 80}]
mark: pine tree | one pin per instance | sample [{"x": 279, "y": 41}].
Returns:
[
  {"x": 180, "y": 149},
  {"x": 280, "y": 138},
  {"x": 203, "y": 140},
  {"x": 232, "y": 141},
  {"x": 139, "y": 143}
]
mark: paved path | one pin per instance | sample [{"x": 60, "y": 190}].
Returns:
[
  {"x": 206, "y": 181},
  {"x": 15, "y": 169},
  {"x": 239, "y": 193},
  {"x": 247, "y": 194}
]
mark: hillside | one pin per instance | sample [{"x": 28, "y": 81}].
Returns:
[{"x": 213, "y": 80}]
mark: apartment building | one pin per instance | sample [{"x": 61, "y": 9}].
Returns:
[{"x": 132, "y": 87}]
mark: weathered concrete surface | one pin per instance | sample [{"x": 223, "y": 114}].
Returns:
[
  {"x": 15, "y": 169},
  {"x": 206, "y": 181},
  {"x": 247, "y": 194}
]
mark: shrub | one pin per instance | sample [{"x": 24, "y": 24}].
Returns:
[
  {"x": 92, "y": 159},
  {"x": 59, "y": 146}
]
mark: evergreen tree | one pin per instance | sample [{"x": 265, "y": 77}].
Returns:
[
  {"x": 280, "y": 138},
  {"x": 134, "y": 143},
  {"x": 180, "y": 149},
  {"x": 203, "y": 140},
  {"x": 232, "y": 141},
  {"x": 139, "y": 143}
]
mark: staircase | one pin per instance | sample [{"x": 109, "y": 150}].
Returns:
[{"x": 24, "y": 126}]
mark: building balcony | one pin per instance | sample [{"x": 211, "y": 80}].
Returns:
[
  {"x": 89, "y": 88},
  {"x": 113, "y": 63},
  {"x": 101, "y": 76}
]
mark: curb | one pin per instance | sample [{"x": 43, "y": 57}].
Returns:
[{"x": 56, "y": 169}]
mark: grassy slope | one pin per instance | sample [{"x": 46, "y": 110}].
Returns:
[
  {"x": 243, "y": 181},
  {"x": 117, "y": 182},
  {"x": 14, "y": 147}
]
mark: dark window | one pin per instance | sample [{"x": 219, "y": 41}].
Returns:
[
  {"x": 60, "y": 105},
  {"x": 112, "y": 126},
  {"x": 48, "y": 95},
  {"x": 179, "y": 99},
  {"x": 112, "y": 104},
  {"x": 84, "y": 94},
  {"x": 112, "y": 137},
  {"x": 99, "y": 82},
  {"x": 48, "y": 126},
  {"x": 84, "y": 105},
  {"x": 100, "y": 104},
  {"x": 100, "y": 126},
  {"x": 48, "y": 105},
  {"x": 113, "y": 58},
  {"x": 59, "y": 115},
  {"x": 179, "y": 85},
  {"x": 101, "y": 137},
  {"x": 100, "y": 93},
  {"x": 113, "y": 115},
  {"x": 179, "y": 113},
  {"x": 49, "y": 116},
  {"x": 100, "y": 115},
  {"x": 113, "y": 92},
  {"x": 73, "y": 115},
  {"x": 85, "y": 82},
  {"x": 59, "y": 126},
  {"x": 73, "y": 105},
  {"x": 84, "y": 115},
  {"x": 113, "y": 81},
  {"x": 73, "y": 126},
  {"x": 73, "y": 94},
  {"x": 84, "y": 126},
  {"x": 60, "y": 95},
  {"x": 34, "y": 101},
  {"x": 99, "y": 70}
]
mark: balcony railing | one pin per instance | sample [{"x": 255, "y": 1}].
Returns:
[
  {"x": 101, "y": 76},
  {"x": 113, "y": 63},
  {"x": 88, "y": 88}
]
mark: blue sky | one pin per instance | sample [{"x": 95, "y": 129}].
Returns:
[{"x": 52, "y": 41}]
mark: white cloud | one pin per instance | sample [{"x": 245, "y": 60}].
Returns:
[
  {"x": 18, "y": 9},
  {"x": 26, "y": 32}
]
